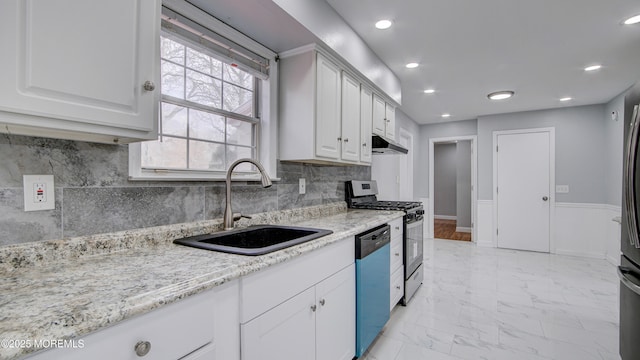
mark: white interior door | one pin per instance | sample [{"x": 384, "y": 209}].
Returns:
[{"x": 523, "y": 191}]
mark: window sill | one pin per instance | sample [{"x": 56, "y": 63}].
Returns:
[{"x": 177, "y": 176}]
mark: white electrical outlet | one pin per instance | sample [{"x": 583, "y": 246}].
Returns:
[
  {"x": 38, "y": 192},
  {"x": 562, "y": 189},
  {"x": 302, "y": 186}
]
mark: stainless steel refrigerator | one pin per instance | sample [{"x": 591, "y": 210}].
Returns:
[{"x": 629, "y": 269}]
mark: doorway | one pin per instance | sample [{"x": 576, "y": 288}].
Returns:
[
  {"x": 452, "y": 185},
  {"x": 524, "y": 164}
]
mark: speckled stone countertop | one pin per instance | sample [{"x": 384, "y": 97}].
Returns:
[{"x": 65, "y": 289}]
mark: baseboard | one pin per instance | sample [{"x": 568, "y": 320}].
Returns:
[
  {"x": 578, "y": 253},
  {"x": 463, "y": 229},
  {"x": 445, "y": 217}
]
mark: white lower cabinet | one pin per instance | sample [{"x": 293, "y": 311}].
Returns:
[
  {"x": 183, "y": 329},
  {"x": 318, "y": 323},
  {"x": 396, "y": 268}
]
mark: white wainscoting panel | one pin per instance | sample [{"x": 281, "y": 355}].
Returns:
[
  {"x": 485, "y": 224},
  {"x": 612, "y": 233},
  {"x": 581, "y": 230}
]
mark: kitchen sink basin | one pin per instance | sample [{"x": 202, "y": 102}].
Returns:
[{"x": 254, "y": 240}]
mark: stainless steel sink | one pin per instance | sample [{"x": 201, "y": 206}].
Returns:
[{"x": 254, "y": 240}]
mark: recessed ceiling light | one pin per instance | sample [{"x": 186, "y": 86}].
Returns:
[
  {"x": 500, "y": 95},
  {"x": 593, "y": 68},
  {"x": 566, "y": 98},
  {"x": 383, "y": 24},
  {"x": 632, "y": 20},
  {"x": 446, "y": 115},
  {"x": 412, "y": 65},
  {"x": 429, "y": 91}
]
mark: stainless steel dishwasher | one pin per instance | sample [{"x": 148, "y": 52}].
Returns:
[{"x": 372, "y": 285}]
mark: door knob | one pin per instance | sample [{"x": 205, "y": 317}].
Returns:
[
  {"x": 149, "y": 86},
  {"x": 545, "y": 198}
]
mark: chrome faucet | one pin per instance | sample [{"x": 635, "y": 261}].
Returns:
[{"x": 229, "y": 216}]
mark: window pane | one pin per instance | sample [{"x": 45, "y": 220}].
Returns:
[
  {"x": 168, "y": 153},
  {"x": 204, "y": 63},
  {"x": 172, "y": 79},
  {"x": 203, "y": 89},
  {"x": 172, "y": 50},
  {"x": 238, "y": 100},
  {"x": 236, "y": 152},
  {"x": 174, "y": 120},
  {"x": 239, "y": 132},
  {"x": 206, "y": 156},
  {"x": 234, "y": 75},
  {"x": 206, "y": 126}
]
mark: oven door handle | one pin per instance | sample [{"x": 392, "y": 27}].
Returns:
[
  {"x": 414, "y": 224},
  {"x": 622, "y": 274}
]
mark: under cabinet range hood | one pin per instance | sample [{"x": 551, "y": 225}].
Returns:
[{"x": 382, "y": 146}]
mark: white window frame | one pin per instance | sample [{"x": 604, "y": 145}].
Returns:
[{"x": 267, "y": 90}]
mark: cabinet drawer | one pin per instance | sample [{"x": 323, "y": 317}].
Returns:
[
  {"x": 397, "y": 287},
  {"x": 268, "y": 288},
  {"x": 396, "y": 228},
  {"x": 396, "y": 256},
  {"x": 173, "y": 331}
]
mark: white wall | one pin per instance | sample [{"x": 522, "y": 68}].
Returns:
[
  {"x": 580, "y": 149},
  {"x": 445, "y": 181}
]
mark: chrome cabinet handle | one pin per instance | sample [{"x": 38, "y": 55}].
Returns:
[
  {"x": 149, "y": 85},
  {"x": 346, "y": 140},
  {"x": 397, "y": 254},
  {"x": 322, "y": 302},
  {"x": 397, "y": 227},
  {"x": 545, "y": 198},
  {"x": 142, "y": 348},
  {"x": 364, "y": 145},
  {"x": 339, "y": 139},
  {"x": 398, "y": 287},
  {"x": 629, "y": 180},
  {"x": 313, "y": 308}
]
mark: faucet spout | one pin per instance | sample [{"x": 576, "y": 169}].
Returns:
[{"x": 266, "y": 182}]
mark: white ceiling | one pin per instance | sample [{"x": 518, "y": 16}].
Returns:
[{"x": 469, "y": 48}]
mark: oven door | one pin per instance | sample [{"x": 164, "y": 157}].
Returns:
[{"x": 413, "y": 246}]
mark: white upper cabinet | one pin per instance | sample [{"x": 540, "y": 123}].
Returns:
[
  {"x": 80, "y": 69},
  {"x": 326, "y": 112},
  {"x": 328, "y": 109},
  {"x": 366, "y": 123},
  {"x": 384, "y": 118},
  {"x": 350, "y": 134}
]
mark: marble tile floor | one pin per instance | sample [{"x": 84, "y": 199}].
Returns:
[{"x": 494, "y": 304}]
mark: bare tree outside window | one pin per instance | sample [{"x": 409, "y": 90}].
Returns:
[{"x": 200, "y": 95}]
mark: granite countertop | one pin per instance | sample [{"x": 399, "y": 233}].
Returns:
[{"x": 68, "y": 288}]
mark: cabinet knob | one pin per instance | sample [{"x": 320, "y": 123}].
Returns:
[
  {"x": 346, "y": 140},
  {"x": 142, "y": 348},
  {"x": 397, "y": 227},
  {"x": 398, "y": 287},
  {"x": 313, "y": 308},
  {"x": 322, "y": 302},
  {"x": 149, "y": 85},
  {"x": 364, "y": 145},
  {"x": 339, "y": 139},
  {"x": 397, "y": 254}
]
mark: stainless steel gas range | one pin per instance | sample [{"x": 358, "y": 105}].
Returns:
[{"x": 363, "y": 195}]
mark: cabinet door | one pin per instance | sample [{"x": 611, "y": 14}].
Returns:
[
  {"x": 327, "y": 109},
  {"x": 379, "y": 113},
  {"x": 390, "y": 115},
  {"x": 81, "y": 61},
  {"x": 366, "y": 123},
  {"x": 336, "y": 318},
  {"x": 350, "y": 118},
  {"x": 286, "y": 332}
]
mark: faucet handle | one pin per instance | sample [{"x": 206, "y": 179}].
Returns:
[{"x": 237, "y": 216}]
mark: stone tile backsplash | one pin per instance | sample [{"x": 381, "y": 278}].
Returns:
[{"x": 94, "y": 194}]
